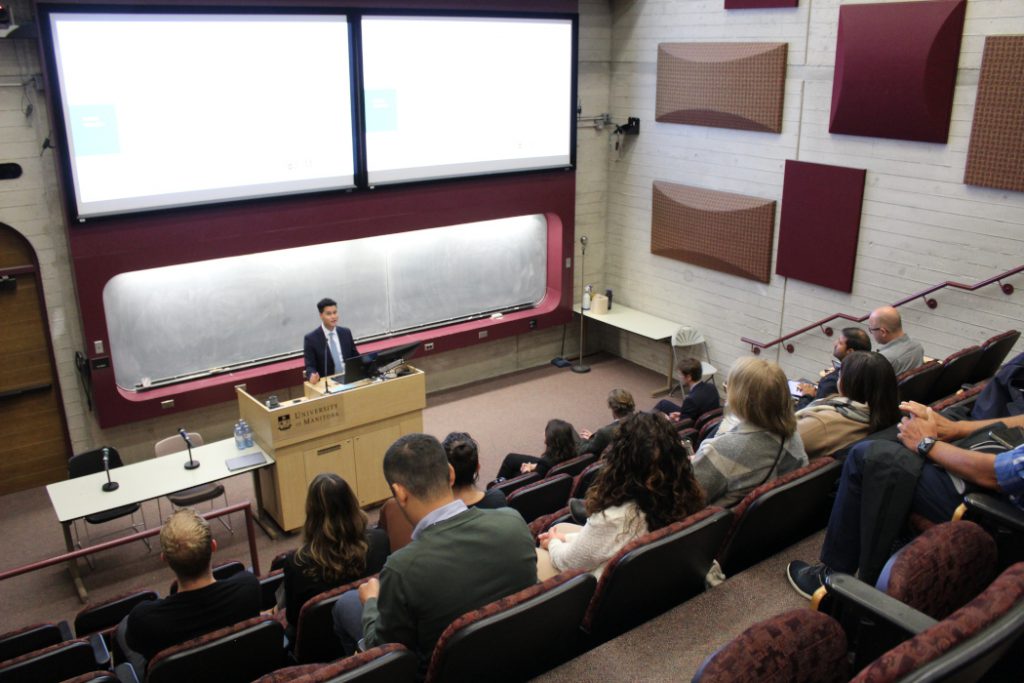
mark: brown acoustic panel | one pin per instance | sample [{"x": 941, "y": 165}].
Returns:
[
  {"x": 731, "y": 233},
  {"x": 724, "y": 85},
  {"x": 995, "y": 157},
  {"x": 758, "y": 4},
  {"x": 820, "y": 223},
  {"x": 896, "y": 69}
]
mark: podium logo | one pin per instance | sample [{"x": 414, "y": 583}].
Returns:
[{"x": 284, "y": 422}]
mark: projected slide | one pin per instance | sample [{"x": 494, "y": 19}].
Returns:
[
  {"x": 175, "y": 110},
  {"x": 447, "y": 97}
]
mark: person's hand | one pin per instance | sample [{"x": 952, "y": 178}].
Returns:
[
  {"x": 545, "y": 538},
  {"x": 913, "y": 429},
  {"x": 807, "y": 389},
  {"x": 586, "y": 433},
  {"x": 675, "y": 416},
  {"x": 946, "y": 429},
  {"x": 370, "y": 589},
  {"x": 527, "y": 467},
  {"x": 314, "y": 378}
]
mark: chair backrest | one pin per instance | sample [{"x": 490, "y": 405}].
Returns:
[
  {"x": 957, "y": 370},
  {"x": 655, "y": 572},
  {"x": 314, "y": 634},
  {"x": 916, "y": 384},
  {"x": 708, "y": 429},
  {"x": 240, "y": 653},
  {"x": 388, "y": 663},
  {"x": 965, "y": 645},
  {"x": 175, "y": 444},
  {"x": 35, "y": 637},
  {"x": 779, "y": 513},
  {"x": 541, "y": 498},
  {"x": 573, "y": 466},
  {"x": 510, "y": 485},
  {"x": 584, "y": 479},
  {"x": 53, "y": 663},
  {"x": 268, "y": 589},
  {"x": 994, "y": 352},
  {"x": 706, "y": 417},
  {"x": 91, "y": 462},
  {"x": 962, "y": 399},
  {"x": 517, "y": 637},
  {"x": 942, "y": 569},
  {"x": 797, "y": 646},
  {"x": 108, "y": 614}
]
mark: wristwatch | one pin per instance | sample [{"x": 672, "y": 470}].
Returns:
[{"x": 925, "y": 445}]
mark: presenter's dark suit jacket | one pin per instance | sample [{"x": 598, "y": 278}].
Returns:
[{"x": 318, "y": 358}]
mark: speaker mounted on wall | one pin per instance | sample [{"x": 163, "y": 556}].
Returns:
[{"x": 995, "y": 157}]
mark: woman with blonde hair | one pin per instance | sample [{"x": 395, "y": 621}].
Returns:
[
  {"x": 337, "y": 547},
  {"x": 761, "y": 445}
]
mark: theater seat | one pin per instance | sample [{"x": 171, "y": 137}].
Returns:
[
  {"x": 234, "y": 654},
  {"x": 103, "y": 617},
  {"x": 389, "y": 663},
  {"x": 58, "y": 662},
  {"x": 541, "y": 498},
  {"x": 573, "y": 466},
  {"x": 957, "y": 370},
  {"x": 510, "y": 485},
  {"x": 916, "y": 384},
  {"x": 994, "y": 352},
  {"x": 314, "y": 634},
  {"x": 35, "y": 637}
]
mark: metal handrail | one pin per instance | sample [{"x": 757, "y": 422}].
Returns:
[
  {"x": 756, "y": 346},
  {"x": 250, "y": 531}
]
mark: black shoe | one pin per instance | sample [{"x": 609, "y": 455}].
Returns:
[
  {"x": 806, "y": 578},
  {"x": 578, "y": 510}
]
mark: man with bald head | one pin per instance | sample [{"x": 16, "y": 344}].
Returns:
[{"x": 886, "y": 327}]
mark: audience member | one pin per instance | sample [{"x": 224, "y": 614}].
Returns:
[
  {"x": 886, "y": 326},
  {"x": 622, "y": 405},
  {"x": 460, "y": 559},
  {"x": 202, "y": 604},
  {"x": 699, "y": 396},
  {"x": 463, "y": 456},
  {"x": 867, "y": 402},
  {"x": 560, "y": 443},
  {"x": 764, "y": 444},
  {"x": 646, "y": 483},
  {"x": 935, "y": 496},
  {"x": 337, "y": 547},
  {"x": 850, "y": 339}
]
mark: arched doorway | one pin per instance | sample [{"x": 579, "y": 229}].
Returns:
[{"x": 34, "y": 443}]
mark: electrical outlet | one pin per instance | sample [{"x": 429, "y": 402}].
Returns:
[
  {"x": 482, "y": 335},
  {"x": 429, "y": 346}
]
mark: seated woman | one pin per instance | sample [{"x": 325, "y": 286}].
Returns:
[
  {"x": 646, "y": 483},
  {"x": 337, "y": 547},
  {"x": 867, "y": 402},
  {"x": 622, "y": 406},
  {"x": 763, "y": 444},
  {"x": 560, "y": 442}
]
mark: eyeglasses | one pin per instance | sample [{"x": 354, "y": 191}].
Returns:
[{"x": 875, "y": 329}]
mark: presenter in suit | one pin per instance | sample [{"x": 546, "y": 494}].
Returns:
[{"x": 326, "y": 347}]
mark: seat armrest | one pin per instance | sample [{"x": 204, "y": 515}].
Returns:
[
  {"x": 125, "y": 673},
  {"x": 99, "y": 650},
  {"x": 65, "y": 630},
  {"x": 985, "y": 506}
]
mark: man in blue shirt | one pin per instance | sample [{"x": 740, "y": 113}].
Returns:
[{"x": 936, "y": 495}]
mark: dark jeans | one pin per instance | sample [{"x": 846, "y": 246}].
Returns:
[
  {"x": 666, "y": 406},
  {"x": 934, "y": 498},
  {"x": 512, "y": 462}
]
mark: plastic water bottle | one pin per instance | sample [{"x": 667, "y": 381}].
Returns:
[
  {"x": 247, "y": 434},
  {"x": 239, "y": 436}
]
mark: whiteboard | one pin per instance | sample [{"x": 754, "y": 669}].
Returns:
[{"x": 194, "y": 319}]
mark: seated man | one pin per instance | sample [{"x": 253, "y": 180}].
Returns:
[
  {"x": 886, "y": 327},
  {"x": 699, "y": 397},
  {"x": 460, "y": 558},
  {"x": 622, "y": 405},
  {"x": 202, "y": 604},
  {"x": 935, "y": 496},
  {"x": 850, "y": 339}
]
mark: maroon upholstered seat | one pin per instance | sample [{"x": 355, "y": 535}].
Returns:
[
  {"x": 510, "y": 485},
  {"x": 516, "y": 637},
  {"x": 268, "y": 589},
  {"x": 584, "y": 479},
  {"x": 967, "y": 396},
  {"x": 222, "y": 571},
  {"x": 545, "y": 522},
  {"x": 314, "y": 634},
  {"x": 542, "y": 497},
  {"x": 798, "y": 646},
  {"x": 942, "y": 569},
  {"x": 389, "y": 663},
  {"x": 706, "y": 417},
  {"x": 916, "y": 384},
  {"x": 957, "y": 370},
  {"x": 995, "y": 349},
  {"x": 33, "y": 637},
  {"x": 57, "y": 662},
  {"x": 103, "y": 617},
  {"x": 237, "y": 653},
  {"x": 573, "y": 466},
  {"x": 707, "y": 429}
]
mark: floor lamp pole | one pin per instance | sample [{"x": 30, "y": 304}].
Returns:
[{"x": 580, "y": 367}]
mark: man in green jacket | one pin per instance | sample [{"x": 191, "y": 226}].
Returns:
[{"x": 460, "y": 559}]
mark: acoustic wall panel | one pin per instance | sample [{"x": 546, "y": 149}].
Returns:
[
  {"x": 758, "y": 4},
  {"x": 820, "y": 223},
  {"x": 995, "y": 157},
  {"x": 731, "y": 233},
  {"x": 896, "y": 68},
  {"x": 724, "y": 85}
]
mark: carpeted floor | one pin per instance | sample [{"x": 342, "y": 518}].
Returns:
[{"x": 504, "y": 415}]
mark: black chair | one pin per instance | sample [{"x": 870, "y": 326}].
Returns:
[
  {"x": 994, "y": 352},
  {"x": 541, "y": 498},
  {"x": 584, "y": 479},
  {"x": 389, "y": 663},
  {"x": 573, "y": 466},
  {"x": 268, "y": 589},
  {"x": 957, "y": 370},
  {"x": 195, "y": 494},
  {"x": 510, "y": 485},
  {"x": 517, "y": 637},
  {"x": 222, "y": 571},
  {"x": 91, "y": 462},
  {"x": 235, "y": 654},
  {"x": 35, "y": 637},
  {"x": 1002, "y": 519},
  {"x": 58, "y": 662},
  {"x": 916, "y": 384},
  {"x": 103, "y": 617},
  {"x": 314, "y": 634}
]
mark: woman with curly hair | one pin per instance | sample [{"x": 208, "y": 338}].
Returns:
[
  {"x": 646, "y": 483},
  {"x": 337, "y": 547}
]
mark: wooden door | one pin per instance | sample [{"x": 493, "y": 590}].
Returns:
[{"x": 34, "y": 444}]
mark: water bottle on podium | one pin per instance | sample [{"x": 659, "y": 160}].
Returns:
[{"x": 239, "y": 436}]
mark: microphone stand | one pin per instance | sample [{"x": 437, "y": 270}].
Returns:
[
  {"x": 191, "y": 464},
  {"x": 110, "y": 485},
  {"x": 580, "y": 367}
]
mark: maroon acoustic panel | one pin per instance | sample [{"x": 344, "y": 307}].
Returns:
[
  {"x": 731, "y": 233},
  {"x": 995, "y": 157},
  {"x": 896, "y": 68},
  {"x": 725, "y": 85},
  {"x": 820, "y": 223},
  {"x": 758, "y": 4}
]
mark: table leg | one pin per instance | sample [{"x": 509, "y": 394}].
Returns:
[
  {"x": 667, "y": 389},
  {"x": 76, "y": 576}
]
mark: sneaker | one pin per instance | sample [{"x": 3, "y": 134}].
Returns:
[{"x": 806, "y": 578}]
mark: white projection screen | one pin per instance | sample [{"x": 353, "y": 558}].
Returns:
[
  {"x": 454, "y": 96},
  {"x": 166, "y": 110}
]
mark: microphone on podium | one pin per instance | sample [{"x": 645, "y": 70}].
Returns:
[
  {"x": 110, "y": 485},
  {"x": 191, "y": 464}
]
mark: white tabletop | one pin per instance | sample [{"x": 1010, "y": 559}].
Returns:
[
  {"x": 637, "y": 322},
  {"x": 146, "y": 480}
]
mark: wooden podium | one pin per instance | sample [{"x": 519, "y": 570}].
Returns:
[{"x": 346, "y": 432}]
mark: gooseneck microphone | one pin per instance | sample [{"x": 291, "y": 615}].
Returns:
[
  {"x": 191, "y": 464},
  {"x": 110, "y": 485}
]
